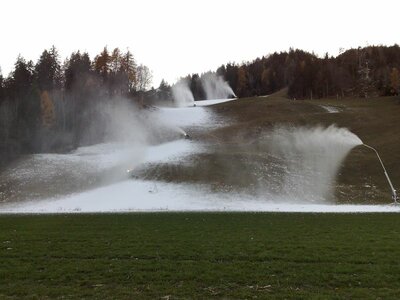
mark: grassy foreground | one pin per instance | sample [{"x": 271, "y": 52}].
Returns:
[{"x": 200, "y": 255}]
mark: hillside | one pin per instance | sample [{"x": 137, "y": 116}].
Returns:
[
  {"x": 375, "y": 121},
  {"x": 235, "y": 158}
]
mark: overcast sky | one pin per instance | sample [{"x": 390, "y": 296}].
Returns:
[{"x": 176, "y": 37}]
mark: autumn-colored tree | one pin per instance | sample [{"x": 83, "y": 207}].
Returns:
[
  {"x": 102, "y": 64},
  {"x": 115, "y": 61},
  {"x": 47, "y": 108},
  {"x": 117, "y": 84}
]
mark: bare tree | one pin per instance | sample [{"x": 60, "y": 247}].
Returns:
[{"x": 143, "y": 78}]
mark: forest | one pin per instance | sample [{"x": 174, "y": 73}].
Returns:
[
  {"x": 49, "y": 106},
  {"x": 362, "y": 72}
]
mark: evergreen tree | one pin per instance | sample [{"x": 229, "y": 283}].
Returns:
[
  {"x": 21, "y": 80},
  {"x": 128, "y": 66},
  {"x": 21, "y": 90},
  {"x": 196, "y": 87},
  {"x": 164, "y": 91},
  {"x": 48, "y": 70},
  {"x": 76, "y": 71}
]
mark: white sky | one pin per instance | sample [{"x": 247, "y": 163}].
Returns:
[{"x": 177, "y": 37}]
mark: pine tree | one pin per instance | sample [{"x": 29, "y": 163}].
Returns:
[
  {"x": 21, "y": 78},
  {"x": 129, "y": 68},
  {"x": 76, "y": 71},
  {"x": 27, "y": 103},
  {"x": 48, "y": 70}
]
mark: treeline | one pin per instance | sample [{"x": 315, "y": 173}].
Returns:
[
  {"x": 362, "y": 72},
  {"x": 50, "y": 106}
]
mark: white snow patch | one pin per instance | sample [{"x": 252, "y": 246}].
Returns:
[
  {"x": 183, "y": 116},
  {"x": 190, "y": 116},
  {"x": 212, "y": 102},
  {"x": 330, "y": 109},
  {"x": 98, "y": 158},
  {"x": 172, "y": 152},
  {"x": 151, "y": 196}
]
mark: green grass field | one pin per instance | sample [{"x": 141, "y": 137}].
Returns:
[{"x": 200, "y": 255}]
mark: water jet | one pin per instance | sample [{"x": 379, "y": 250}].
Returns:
[
  {"x": 216, "y": 87},
  {"x": 310, "y": 158}
]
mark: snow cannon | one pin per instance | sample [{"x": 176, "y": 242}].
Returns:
[
  {"x": 186, "y": 136},
  {"x": 394, "y": 193}
]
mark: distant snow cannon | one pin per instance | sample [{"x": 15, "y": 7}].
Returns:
[
  {"x": 394, "y": 193},
  {"x": 186, "y": 136},
  {"x": 183, "y": 134}
]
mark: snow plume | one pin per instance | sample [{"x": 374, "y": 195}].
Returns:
[
  {"x": 118, "y": 137},
  {"x": 311, "y": 158},
  {"x": 182, "y": 94},
  {"x": 124, "y": 141},
  {"x": 216, "y": 87}
]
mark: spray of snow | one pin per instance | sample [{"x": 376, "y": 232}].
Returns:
[
  {"x": 216, "y": 87},
  {"x": 311, "y": 158},
  {"x": 182, "y": 94},
  {"x": 132, "y": 138}
]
